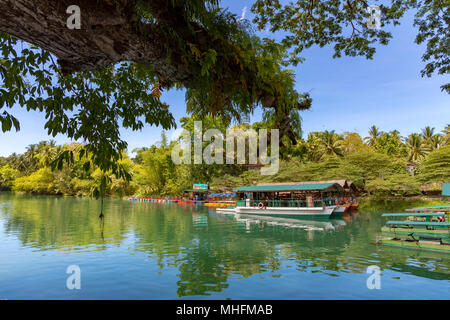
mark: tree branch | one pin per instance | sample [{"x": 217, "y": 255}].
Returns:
[{"x": 108, "y": 35}]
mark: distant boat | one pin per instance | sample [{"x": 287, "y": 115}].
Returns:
[{"x": 220, "y": 204}]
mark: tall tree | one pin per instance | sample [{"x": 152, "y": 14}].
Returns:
[
  {"x": 395, "y": 134},
  {"x": 374, "y": 133},
  {"x": 427, "y": 133},
  {"x": 353, "y": 143},
  {"x": 330, "y": 143},
  {"x": 431, "y": 140},
  {"x": 111, "y": 72},
  {"x": 390, "y": 144},
  {"x": 435, "y": 142},
  {"x": 416, "y": 147},
  {"x": 138, "y": 152},
  {"x": 163, "y": 143},
  {"x": 446, "y": 135},
  {"x": 313, "y": 146}
]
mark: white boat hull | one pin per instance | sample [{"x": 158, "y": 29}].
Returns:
[
  {"x": 315, "y": 212},
  {"x": 339, "y": 210}
]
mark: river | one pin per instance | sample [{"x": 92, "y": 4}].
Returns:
[{"x": 169, "y": 251}]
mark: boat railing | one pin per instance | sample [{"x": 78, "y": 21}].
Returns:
[{"x": 286, "y": 203}]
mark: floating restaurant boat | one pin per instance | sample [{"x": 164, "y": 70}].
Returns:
[
  {"x": 347, "y": 200},
  {"x": 288, "y": 200},
  {"x": 197, "y": 195},
  {"x": 426, "y": 228}
]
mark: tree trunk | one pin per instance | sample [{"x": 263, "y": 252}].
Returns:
[{"x": 109, "y": 34}]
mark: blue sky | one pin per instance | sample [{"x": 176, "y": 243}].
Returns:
[{"x": 349, "y": 94}]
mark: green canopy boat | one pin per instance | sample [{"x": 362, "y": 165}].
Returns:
[{"x": 291, "y": 200}]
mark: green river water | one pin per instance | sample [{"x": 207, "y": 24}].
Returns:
[{"x": 169, "y": 251}]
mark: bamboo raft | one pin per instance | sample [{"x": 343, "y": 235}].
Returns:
[{"x": 425, "y": 228}]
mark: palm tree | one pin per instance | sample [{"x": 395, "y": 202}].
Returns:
[
  {"x": 163, "y": 142},
  {"x": 374, "y": 133},
  {"x": 396, "y": 135},
  {"x": 416, "y": 147},
  {"x": 17, "y": 162},
  {"x": 312, "y": 145},
  {"x": 446, "y": 135},
  {"x": 46, "y": 153},
  {"x": 427, "y": 133},
  {"x": 435, "y": 142},
  {"x": 330, "y": 143},
  {"x": 431, "y": 140},
  {"x": 138, "y": 159},
  {"x": 31, "y": 159}
]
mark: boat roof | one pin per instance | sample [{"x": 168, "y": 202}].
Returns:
[
  {"x": 342, "y": 183},
  {"x": 305, "y": 186},
  {"x": 446, "y": 189}
]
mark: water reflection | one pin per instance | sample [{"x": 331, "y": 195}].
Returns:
[
  {"x": 208, "y": 249},
  {"x": 308, "y": 225}
]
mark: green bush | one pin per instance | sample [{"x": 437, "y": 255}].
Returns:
[
  {"x": 400, "y": 185},
  {"x": 7, "y": 177},
  {"x": 41, "y": 182},
  {"x": 436, "y": 167}
]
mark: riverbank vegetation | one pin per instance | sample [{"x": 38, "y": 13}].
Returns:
[
  {"x": 114, "y": 77},
  {"x": 380, "y": 164}
]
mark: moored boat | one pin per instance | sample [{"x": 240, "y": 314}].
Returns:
[
  {"x": 425, "y": 228},
  {"x": 428, "y": 229},
  {"x": 342, "y": 208},
  {"x": 306, "y": 200},
  {"x": 221, "y": 204}
]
